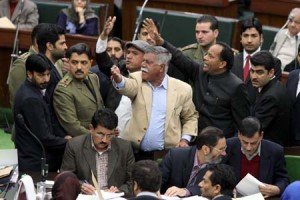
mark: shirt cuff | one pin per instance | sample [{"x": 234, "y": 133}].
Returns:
[
  {"x": 187, "y": 192},
  {"x": 186, "y": 137},
  {"x": 101, "y": 45},
  {"x": 120, "y": 85}
]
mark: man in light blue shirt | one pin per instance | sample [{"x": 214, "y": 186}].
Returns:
[{"x": 163, "y": 113}]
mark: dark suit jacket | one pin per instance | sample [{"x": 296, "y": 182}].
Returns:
[
  {"x": 80, "y": 158},
  {"x": 272, "y": 166},
  {"x": 238, "y": 70},
  {"x": 272, "y": 109},
  {"x": 291, "y": 85},
  {"x": 30, "y": 103},
  {"x": 176, "y": 168}
]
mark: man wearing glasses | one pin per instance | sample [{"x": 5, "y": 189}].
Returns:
[
  {"x": 109, "y": 158},
  {"x": 183, "y": 168},
  {"x": 263, "y": 159},
  {"x": 286, "y": 41}
]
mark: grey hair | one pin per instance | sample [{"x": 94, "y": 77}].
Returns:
[
  {"x": 163, "y": 56},
  {"x": 294, "y": 12}
]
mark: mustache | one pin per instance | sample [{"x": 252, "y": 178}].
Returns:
[
  {"x": 143, "y": 69},
  {"x": 78, "y": 71}
]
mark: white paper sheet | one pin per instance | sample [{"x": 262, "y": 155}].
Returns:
[{"x": 249, "y": 185}]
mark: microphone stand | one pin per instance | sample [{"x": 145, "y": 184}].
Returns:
[
  {"x": 14, "y": 53},
  {"x": 138, "y": 20},
  {"x": 44, "y": 165}
]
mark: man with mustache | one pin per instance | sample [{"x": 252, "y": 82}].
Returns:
[
  {"x": 263, "y": 159},
  {"x": 272, "y": 104},
  {"x": 109, "y": 158},
  {"x": 163, "y": 113},
  {"x": 77, "y": 95},
  {"x": 29, "y": 102},
  {"x": 251, "y": 40},
  {"x": 183, "y": 168}
]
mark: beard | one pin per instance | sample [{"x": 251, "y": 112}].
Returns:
[{"x": 210, "y": 160}]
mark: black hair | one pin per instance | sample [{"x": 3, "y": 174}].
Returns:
[
  {"x": 122, "y": 43},
  {"x": 214, "y": 24},
  {"x": 147, "y": 175},
  {"x": 37, "y": 63},
  {"x": 79, "y": 48},
  {"x": 226, "y": 54},
  {"x": 105, "y": 117},
  {"x": 251, "y": 23},
  {"x": 250, "y": 126},
  {"x": 224, "y": 176},
  {"x": 209, "y": 136},
  {"x": 48, "y": 33},
  {"x": 263, "y": 58}
]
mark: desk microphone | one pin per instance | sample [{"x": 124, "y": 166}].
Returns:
[{"x": 44, "y": 166}]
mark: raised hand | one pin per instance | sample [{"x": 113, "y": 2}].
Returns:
[
  {"x": 108, "y": 26},
  {"x": 116, "y": 75},
  {"x": 152, "y": 31}
]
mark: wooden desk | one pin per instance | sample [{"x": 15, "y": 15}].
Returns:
[
  {"x": 222, "y": 8},
  {"x": 273, "y": 13},
  {"x": 7, "y": 39}
]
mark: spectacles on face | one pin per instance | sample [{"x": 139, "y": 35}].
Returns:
[
  {"x": 221, "y": 150},
  {"x": 102, "y": 135}
]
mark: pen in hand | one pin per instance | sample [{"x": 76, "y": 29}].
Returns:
[{"x": 87, "y": 188}]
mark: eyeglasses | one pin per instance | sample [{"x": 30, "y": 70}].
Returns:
[
  {"x": 102, "y": 135},
  {"x": 219, "y": 150}
]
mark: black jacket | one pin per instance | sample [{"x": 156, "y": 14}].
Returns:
[
  {"x": 30, "y": 103},
  {"x": 221, "y": 100}
]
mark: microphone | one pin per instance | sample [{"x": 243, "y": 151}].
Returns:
[
  {"x": 138, "y": 20},
  {"x": 44, "y": 166}
]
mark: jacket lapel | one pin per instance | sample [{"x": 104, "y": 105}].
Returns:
[
  {"x": 85, "y": 91},
  {"x": 16, "y": 11},
  {"x": 112, "y": 159},
  {"x": 89, "y": 155},
  {"x": 265, "y": 163},
  {"x": 147, "y": 95},
  {"x": 171, "y": 102}
]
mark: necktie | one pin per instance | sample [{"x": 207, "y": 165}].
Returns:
[
  {"x": 247, "y": 67},
  {"x": 86, "y": 82},
  {"x": 193, "y": 176}
]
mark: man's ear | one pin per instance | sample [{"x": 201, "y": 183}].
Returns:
[
  {"x": 217, "y": 189},
  {"x": 205, "y": 149}
]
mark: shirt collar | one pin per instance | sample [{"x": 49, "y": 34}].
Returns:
[
  {"x": 164, "y": 83},
  {"x": 245, "y": 54},
  {"x": 146, "y": 193},
  {"x": 255, "y": 153}
]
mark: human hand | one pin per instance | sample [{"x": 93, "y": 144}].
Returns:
[
  {"x": 175, "y": 191},
  {"x": 80, "y": 10},
  {"x": 116, "y": 74},
  {"x": 152, "y": 31},
  {"x": 183, "y": 143},
  {"x": 66, "y": 65},
  {"x": 87, "y": 189},
  {"x": 112, "y": 189},
  {"x": 269, "y": 190},
  {"x": 108, "y": 26}
]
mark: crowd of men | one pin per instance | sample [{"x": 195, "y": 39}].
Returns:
[{"x": 192, "y": 108}]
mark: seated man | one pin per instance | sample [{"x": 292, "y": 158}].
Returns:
[
  {"x": 109, "y": 158},
  {"x": 263, "y": 159},
  {"x": 146, "y": 179},
  {"x": 218, "y": 182},
  {"x": 183, "y": 168}
]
